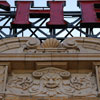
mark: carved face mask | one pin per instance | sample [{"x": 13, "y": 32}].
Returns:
[{"x": 51, "y": 80}]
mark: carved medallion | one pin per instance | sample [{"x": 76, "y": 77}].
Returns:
[{"x": 52, "y": 82}]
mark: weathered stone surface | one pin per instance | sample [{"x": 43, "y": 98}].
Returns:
[
  {"x": 33, "y": 75},
  {"x": 62, "y": 65},
  {"x": 50, "y": 43},
  {"x": 51, "y": 98},
  {"x": 52, "y": 82},
  {"x": 33, "y": 45},
  {"x": 99, "y": 78},
  {"x": 3, "y": 78}
]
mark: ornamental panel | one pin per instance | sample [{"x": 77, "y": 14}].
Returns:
[{"x": 52, "y": 82}]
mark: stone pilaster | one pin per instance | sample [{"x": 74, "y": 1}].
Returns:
[
  {"x": 97, "y": 70},
  {"x": 3, "y": 79}
]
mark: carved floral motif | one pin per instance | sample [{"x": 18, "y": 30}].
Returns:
[
  {"x": 52, "y": 82},
  {"x": 21, "y": 82}
]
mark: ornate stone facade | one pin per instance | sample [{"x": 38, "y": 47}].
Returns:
[
  {"x": 68, "y": 70},
  {"x": 33, "y": 45}
]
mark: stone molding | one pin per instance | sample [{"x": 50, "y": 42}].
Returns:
[{"x": 33, "y": 45}]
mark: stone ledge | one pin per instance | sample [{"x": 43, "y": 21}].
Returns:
[
  {"x": 49, "y": 57},
  {"x": 51, "y": 98}
]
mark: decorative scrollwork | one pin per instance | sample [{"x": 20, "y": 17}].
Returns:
[
  {"x": 33, "y": 43},
  {"x": 70, "y": 44},
  {"x": 37, "y": 74},
  {"x": 53, "y": 82},
  {"x": 65, "y": 74}
]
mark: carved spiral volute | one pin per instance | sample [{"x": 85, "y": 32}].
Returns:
[
  {"x": 65, "y": 74},
  {"x": 37, "y": 74}
]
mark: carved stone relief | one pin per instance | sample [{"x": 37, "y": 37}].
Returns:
[
  {"x": 52, "y": 82},
  {"x": 19, "y": 83},
  {"x": 71, "y": 45},
  {"x": 31, "y": 45},
  {"x": 50, "y": 43}
]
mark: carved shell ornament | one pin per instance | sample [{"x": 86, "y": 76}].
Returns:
[{"x": 50, "y": 43}]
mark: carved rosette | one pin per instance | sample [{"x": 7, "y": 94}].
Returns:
[{"x": 52, "y": 82}]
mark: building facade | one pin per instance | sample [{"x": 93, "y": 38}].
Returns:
[{"x": 51, "y": 70}]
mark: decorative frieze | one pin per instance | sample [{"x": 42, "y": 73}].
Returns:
[
  {"x": 52, "y": 82},
  {"x": 50, "y": 45}
]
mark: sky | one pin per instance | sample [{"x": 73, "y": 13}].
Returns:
[{"x": 71, "y": 5}]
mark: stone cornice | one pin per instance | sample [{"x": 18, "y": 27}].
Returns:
[{"x": 49, "y": 57}]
